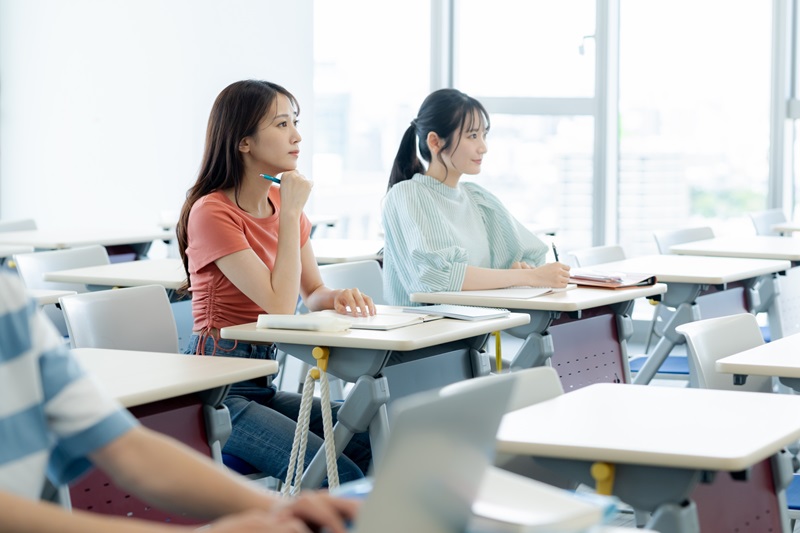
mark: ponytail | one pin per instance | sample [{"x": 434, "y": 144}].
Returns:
[
  {"x": 444, "y": 112},
  {"x": 406, "y": 162}
]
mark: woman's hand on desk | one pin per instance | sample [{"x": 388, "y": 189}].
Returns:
[
  {"x": 554, "y": 275},
  {"x": 359, "y": 304}
]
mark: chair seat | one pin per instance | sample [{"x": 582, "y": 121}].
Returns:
[
  {"x": 238, "y": 465},
  {"x": 793, "y": 493},
  {"x": 674, "y": 364}
]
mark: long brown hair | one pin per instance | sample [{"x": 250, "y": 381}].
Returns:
[{"x": 235, "y": 115}]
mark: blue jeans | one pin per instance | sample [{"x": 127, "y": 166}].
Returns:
[{"x": 264, "y": 420}]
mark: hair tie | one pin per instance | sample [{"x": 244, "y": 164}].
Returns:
[{"x": 414, "y": 123}]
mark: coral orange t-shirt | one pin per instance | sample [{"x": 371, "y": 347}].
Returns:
[{"x": 217, "y": 227}]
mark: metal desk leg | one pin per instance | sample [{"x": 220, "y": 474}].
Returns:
[
  {"x": 537, "y": 346},
  {"x": 684, "y": 314},
  {"x": 364, "y": 409}
]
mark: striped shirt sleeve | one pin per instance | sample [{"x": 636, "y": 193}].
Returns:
[{"x": 52, "y": 415}]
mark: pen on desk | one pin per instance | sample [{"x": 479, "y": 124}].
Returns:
[
  {"x": 271, "y": 178},
  {"x": 555, "y": 252}
]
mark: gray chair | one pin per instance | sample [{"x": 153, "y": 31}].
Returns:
[
  {"x": 32, "y": 267},
  {"x": 135, "y": 318},
  {"x": 764, "y": 220},
  {"x": 598, "y": 254},
  {"x": 24, "y": 224}
]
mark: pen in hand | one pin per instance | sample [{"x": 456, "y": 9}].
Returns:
[
  {"x": 555, "y": 252},
  {"x": 271, "y": 178}
]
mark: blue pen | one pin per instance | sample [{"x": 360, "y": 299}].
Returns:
[{"x": 271, "y": 178}]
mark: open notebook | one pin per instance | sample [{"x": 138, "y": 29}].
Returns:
[
  {"x": 610, "y": 280},
  {"x": 520, "y": 293}
]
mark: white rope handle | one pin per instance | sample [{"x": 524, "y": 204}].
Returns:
[{"x": 294, "y": 475}]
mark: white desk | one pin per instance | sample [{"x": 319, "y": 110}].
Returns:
[
  {"x": 137, "y": 378},
  {"x": 752, "y": 246},
  {"x": 410, "y": 359},
  {"x": 139, "y": 239},
  {"x": 166, "y": 272},
  {"x": 583, "y": 331},
  {"x": 777, "y": 358},
  {"x": 658, "y": 460},
  {"x": 726, "y": 284},
  {"x": 785, "y": 313},
  {"x": 48, "y": 296},
  {"x": 179, "y": 395},
  {"x": 788, "y": 227},
  {"x": 328, "y": 251},
  {"x": 7, "y": 250}
]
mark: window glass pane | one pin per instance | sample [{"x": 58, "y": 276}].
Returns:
[
  {"x": 525, "y": 48},
  {"x": 694, "y": 108},
  {"x": 369, "y": 81},
  {"x": 541, "y": 169}
]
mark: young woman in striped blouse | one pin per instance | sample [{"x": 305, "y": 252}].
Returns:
[{"x": 446, "y": 235}]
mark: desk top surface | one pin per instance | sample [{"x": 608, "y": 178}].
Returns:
[
  {"x": 48, "y": 296},
  {"x": 136, "y": 378},
  {"x": 777, "y": 358},
  {"x": 70, "y": 238},
  {"x": 657, "y": 426},
  {"x": 7, "y": 250},
  {"x": 672, "y": 268},
  {"x": 752, "y": 246},
  {"x": 786, "y": 227},
  {"x": 166, "y": 272},
  {"x": 565, "y": 301},
  {"x": 406, "y": 338},
  {"x": 328, "y": 251}
]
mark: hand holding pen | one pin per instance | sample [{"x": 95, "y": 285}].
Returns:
[{"x": 555, "y": 252}]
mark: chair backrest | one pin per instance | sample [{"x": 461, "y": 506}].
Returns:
[
  {"x": 667, "y": 238},
  {"x": 534, "y": 385},
  {"x": 18, "y": 225},
  {"x": 715, "y": 338},
  {"x": 32, "y": 266},
  {"x": 598, "y": 254},
  {"x": 136, "y": 318},
  {"x": 764, "y": 220},
  {"x": 366, "y": 275}
]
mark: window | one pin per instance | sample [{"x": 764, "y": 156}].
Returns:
[
  {"x": 694, "y": 111},
  {"x": 369, "y": 81}
]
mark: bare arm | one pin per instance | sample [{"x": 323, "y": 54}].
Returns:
[
  {"x": 275, "y": 291},
  {"x": 548, "y": 275},
  {"x": 174, "y": 477}
]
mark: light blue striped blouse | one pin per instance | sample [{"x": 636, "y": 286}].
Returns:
[
  {"x": 52, "y": 415},
  {"x": 433, "y": 232}
]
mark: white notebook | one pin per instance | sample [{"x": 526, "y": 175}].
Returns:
[
  {"x": 381, "y": 321},
  {"x": 330, "y": 320},
  {"x": 462, "y": 312}
]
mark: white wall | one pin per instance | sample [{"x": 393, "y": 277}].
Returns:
[{"x": 104, "y": 103}]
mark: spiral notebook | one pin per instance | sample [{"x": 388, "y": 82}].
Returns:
[{"x": 461, "y": 312}]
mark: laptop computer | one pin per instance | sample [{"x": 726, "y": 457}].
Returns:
[{"x": 440, "y": 447}]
